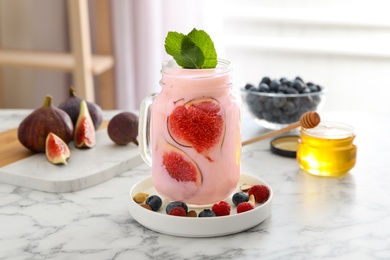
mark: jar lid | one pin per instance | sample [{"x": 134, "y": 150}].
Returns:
[
  {"x": 285, "y": 145},
  {"x": 330, "y": 130}
]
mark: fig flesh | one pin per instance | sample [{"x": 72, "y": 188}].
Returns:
[
  {"x": 180, "y": 166},
  {"x": 84, "y": 133},
  {"x": 57, "y": 151},
  {"x": 123, "y": 128},
  {"x": 33, "y": 130},
  {"x": 72, "y": 107},
  {"x": 198, "y": 123}
]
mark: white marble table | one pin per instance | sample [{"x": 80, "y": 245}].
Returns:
[{"x": 312, "y": 217}]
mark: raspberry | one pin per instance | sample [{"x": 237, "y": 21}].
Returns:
[
  {"x": 221, "y": 209},
  {"x": 244, "y": 206},
  {"x": 261, "y": 193},
  {"x": 175, "y": 204},
  {"x": 178, "y": 211}
]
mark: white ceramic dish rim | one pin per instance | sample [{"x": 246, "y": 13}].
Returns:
[{"x": 198, "y": 227}]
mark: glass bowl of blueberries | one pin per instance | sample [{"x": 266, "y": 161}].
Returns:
[{"x": 275, "y": 103}]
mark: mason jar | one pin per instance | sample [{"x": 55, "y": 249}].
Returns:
[{"x": 190, "y": 134}]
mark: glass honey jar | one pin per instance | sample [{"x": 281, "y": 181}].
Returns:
[{"x": 327, "y": 149}]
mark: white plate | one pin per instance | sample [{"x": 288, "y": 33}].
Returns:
[{"x": 160, "y": 222}]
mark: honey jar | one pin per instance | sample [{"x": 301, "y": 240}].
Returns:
[{"x": 327, "y": 149}]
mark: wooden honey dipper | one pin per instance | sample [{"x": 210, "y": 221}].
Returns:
[{"x": 308, "y": 120}]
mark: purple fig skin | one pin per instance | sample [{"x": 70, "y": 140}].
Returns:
[
  {"x": 123, "y": 128},
  {"x": 33, "y": 130},
  {"x": 72, "y": 107}
]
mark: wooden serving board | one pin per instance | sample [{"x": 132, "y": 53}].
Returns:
[
  {"x": 85, "y": 168},
  {"x": 11, "y": 150}
]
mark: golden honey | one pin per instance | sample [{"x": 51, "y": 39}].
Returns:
[{"x": 327, "y": 150}]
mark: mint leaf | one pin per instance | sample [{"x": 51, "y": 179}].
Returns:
[
  {"x": 193, "y": 51},
  {"x": 204, "y": 42},
  {"x": 173, "y": 43},
  {"x": 184, "y": 51},
  {"x": 191, "y": 55}
]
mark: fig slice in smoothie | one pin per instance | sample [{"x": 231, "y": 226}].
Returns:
[
  {"x": 199, "y": 123},
  {"x": 179, "y": 166}
]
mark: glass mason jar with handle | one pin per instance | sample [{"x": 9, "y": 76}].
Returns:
[{"x": 190, "y": 133}]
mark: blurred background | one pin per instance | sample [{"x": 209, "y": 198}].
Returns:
[{"x": 111, "y": 51}]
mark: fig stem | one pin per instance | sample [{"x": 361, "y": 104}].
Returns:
[
  {"x": 47, "y": 101},
  {"x": 72, "y": 91}
]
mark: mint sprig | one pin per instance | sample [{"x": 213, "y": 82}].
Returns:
[{"x": 193, "y": 51}]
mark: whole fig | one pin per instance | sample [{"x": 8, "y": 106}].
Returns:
[
  {"x": 123, "y": 128},
  {"x": 72, "y": 107},
  {"x": 33, "y": 130}
]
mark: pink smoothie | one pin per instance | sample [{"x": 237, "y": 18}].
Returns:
[{"x": 212, "y": 163}]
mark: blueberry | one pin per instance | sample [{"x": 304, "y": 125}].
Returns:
[
  {"x": 257, "y": 109},
  {"x": 256, "y": 106},
  {"x": 314, "y": 88},
  {"x": 268, "y": 104},
  {"x": 315, "y": 100},
  {"x": 251, "y": 98},
  {"x": 175, "y": 204},
  {"x": 250, "y": 87},
  {"x": 292, "y": 91},
  {"x": 306, "y": 90},
  {"x": 289, "y": 108},
  {"x": 283, "y": 89},
  {"x": 265, "y": 80},
  {"x": 206, "y": 213},
  {"x": 299, "y": 78},
  {"x": 263, "y": 87},
  {"x": 154, "y": 202},
  {"x": 283, "y": 79},
  {"x": 300, "y": 101},
  {"x": 268, "y": 116},
  {"x": 286, "y": 82},
  {"x": 279, "y": 101},
  {"x": 254, "y": 102},
  {"x": 298, "y": 85},
  {"x": 240, "y": 197},
  {"x": 276, "y": 113},
  {"x": 274, "y": 85}
]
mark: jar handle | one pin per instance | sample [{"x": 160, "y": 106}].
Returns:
[{"x": 144, "y": 129}]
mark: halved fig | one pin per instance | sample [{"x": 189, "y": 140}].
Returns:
[
  {"x": 179, "y": 165},
  {"x": 57, "y": 151},
  {"x": 199, "y": 123},
  {"x": 84, "y": 133}
]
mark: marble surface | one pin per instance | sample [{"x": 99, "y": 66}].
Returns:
[{"x": 312, "y": 217}]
